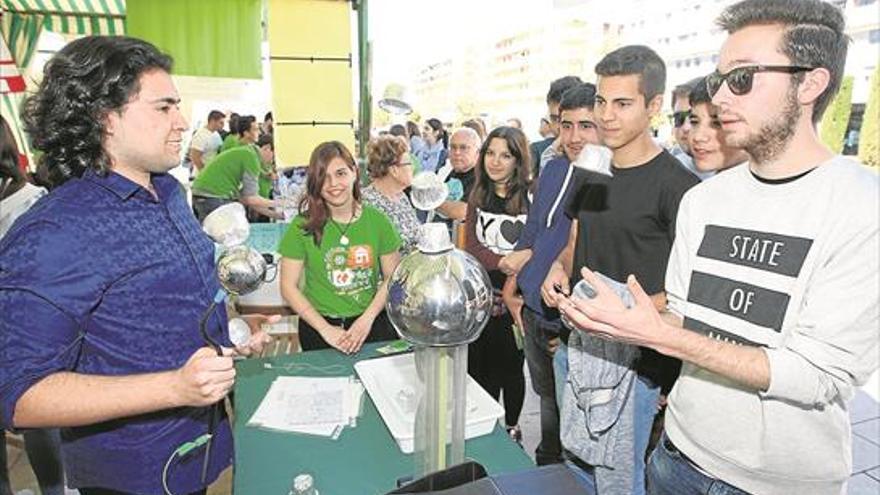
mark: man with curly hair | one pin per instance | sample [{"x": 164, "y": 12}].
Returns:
[{"x": 103, "y": 282}]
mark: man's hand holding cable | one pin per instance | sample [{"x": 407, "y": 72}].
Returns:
[{"x": 205, "y": 379}]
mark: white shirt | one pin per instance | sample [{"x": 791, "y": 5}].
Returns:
[{"x": 12, "y": 207}]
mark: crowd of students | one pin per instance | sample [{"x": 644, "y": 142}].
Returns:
[{"x": 728, "y": 371}]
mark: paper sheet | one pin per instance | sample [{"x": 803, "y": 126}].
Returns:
[{"x": 317, "y": 406}]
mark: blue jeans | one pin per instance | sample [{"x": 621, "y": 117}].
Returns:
[
  {"x": 585, "y": 477},
  {"x": 669, "y": 473},
  {"x": 646, "y": 395},
  {"x": 560, "y": 372},
  {"x": 536, "y": 345}
]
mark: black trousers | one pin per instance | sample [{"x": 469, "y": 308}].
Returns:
[
  {"x": 310, "y": 339},
  {"x": 496, "y": 363}
]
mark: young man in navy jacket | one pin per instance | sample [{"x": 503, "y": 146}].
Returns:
[{"x": 545, "y": 235}]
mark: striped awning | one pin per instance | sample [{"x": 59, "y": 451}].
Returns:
[{"x": 74, "y": 16}]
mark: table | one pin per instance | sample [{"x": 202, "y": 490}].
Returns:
[{"x": 364, "y": 460}]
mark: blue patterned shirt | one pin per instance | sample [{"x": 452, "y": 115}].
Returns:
[{"x": 101, "y": 278}]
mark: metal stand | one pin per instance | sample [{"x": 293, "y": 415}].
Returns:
[{"x": 440, "y": 419}]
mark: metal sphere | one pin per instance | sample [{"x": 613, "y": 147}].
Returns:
[
  {"x": 440, "y": 299},
  {"x": 241, "y": 270}
]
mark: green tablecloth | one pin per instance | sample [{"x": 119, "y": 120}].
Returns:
[{"x": 364, "y": 460}]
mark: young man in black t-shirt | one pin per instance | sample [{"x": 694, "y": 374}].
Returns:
[{"x": 625, "y": 225}]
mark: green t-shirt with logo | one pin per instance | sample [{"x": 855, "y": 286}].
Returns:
[
  {"x": 341, "y": 280},
  {"x": 222, "y": 177}
]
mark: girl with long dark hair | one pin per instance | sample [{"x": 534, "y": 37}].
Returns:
[
  {"x": 496, "y": 214},
  {"x": 342, "y": 246}
]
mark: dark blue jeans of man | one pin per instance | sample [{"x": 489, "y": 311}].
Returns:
[
  {"x": 539, "y": 358},
  {"x": 671, "y": 473}
]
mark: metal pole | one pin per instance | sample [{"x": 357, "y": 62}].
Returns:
[{"x": 364, "y": 71}]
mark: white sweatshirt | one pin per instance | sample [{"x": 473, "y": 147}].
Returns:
[{"x": 792, "y": 268}]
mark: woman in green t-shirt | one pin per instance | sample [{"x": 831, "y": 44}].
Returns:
[{"x": 343, "y": 247}]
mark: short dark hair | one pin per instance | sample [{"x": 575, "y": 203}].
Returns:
[
  {"x": 580, "y": 96},
  {"x": 814, "y": 36},
  {"x": 244, "y": 124},
  {"x": 397, "y": 130},
  {"x": 560, "y": 86},
  {"x": 699, "y": 93},
  {"x": 266, "y": 139},
  {"x": 636, "y": 60},
  {"x": 268, "y": 116},
  {"x": 684, "y": 89},
  {"x": 82, "y": 83},
  {"x": 215, "y": 115}
]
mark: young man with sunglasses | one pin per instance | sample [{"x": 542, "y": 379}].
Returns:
[{"x": 773, "y": 280}]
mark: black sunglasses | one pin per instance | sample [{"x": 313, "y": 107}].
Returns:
[
  {"x": 679, "y": 118},
  {"x": 739, "y": 80}
]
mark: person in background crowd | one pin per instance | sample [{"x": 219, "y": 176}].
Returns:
[
  {"x": 103, "y": 283},
  {"x": 773, "y": 281},
  {"x": 477, "y": 125},
  {"x": 545, "y": 235},
  {"x": 398, "y": 130},
  {"x": 268, "y": 125},
  {"x": 247, "y": 132},
  {"x": 706, "y": 137},
  {"x": 544, "y": 128},
  {"x": 232, "y": 126},
  {"x": 434, "y": 153},
  {"x": 515, "y": 123},
  {"x": 43, "y": 446},
  {"x": 234, "y": 175},
  {"x": 458, "y": 174},
  {"x": 206, "y": 142},
  {"x": 391, "y": 172},
  {"x": 496, "y": 214},
  {"x": 547, "y": 149},
  {"x": 681, "y": 127},
  {"x": 342, "y": 246},
  {"x": 625, "y": 224},
  {"x": 416, "y": 142}
]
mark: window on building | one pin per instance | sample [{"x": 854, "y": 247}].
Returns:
[
  {"x": 860, "y": 3},
  {"x": 874, "y": 36}
]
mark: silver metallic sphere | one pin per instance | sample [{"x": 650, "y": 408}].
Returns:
[
  {"x": 241, "y": 269},
  {"x": 439, "y": 299}
]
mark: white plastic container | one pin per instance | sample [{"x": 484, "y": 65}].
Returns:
[{"x": 394, "y": 387}]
